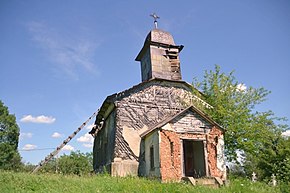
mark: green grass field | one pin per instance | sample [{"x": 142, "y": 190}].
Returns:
[{"x": 25, "y": 182}]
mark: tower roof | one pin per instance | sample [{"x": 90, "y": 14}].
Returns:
[{"x": 158, "y": 37}]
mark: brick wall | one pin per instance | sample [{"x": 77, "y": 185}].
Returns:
[
  {"x": 170, "y": 156},
  {"x": 212, "y": 152},
  {"x": 170, "y": 153}
]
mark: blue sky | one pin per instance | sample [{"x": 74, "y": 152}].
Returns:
[{"x": 60, "y": 59}]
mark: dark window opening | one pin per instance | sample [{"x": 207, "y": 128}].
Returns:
[
  {"x": 172, "y": 56},
  {"x": 151, "y": 158},
  {"x": 172, "y": 152}
]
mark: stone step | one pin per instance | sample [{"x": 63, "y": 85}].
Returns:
[
  {"x": 205, "y": 181},
  {"x": 209, "y": 182}
]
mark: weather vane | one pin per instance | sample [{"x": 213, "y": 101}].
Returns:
[{"x": 155, "y": 16}]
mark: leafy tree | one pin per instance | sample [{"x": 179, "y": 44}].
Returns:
[
  {"x": 257, "y": 135},
  {"x": 234, "y": 108},
  {"x": 9, "y": 135},
  {"x": 273, "y": 159},
  {"x": 76, "y": 163}
]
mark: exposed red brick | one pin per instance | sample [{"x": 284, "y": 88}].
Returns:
[
  {"x": 212, "y": 152},
  {"x": 170, "y": 162}
]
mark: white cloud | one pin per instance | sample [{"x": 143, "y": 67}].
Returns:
[
  {"x": 286, "y": 133},
  {"x": 25, "y": 135},
  {"x": 69, "y": 53},
  {"x": 56, "y": 135},
  {"x": 38, "y": 119},
  {"x": 28, "y": 147},
  {"x": 86, "y": 138},
  {"x": 241, "y": 87},
  {"x": 89, "y": 127},
  {"x": 68, "y": 148},
  {"x": 88, "y": 145}
]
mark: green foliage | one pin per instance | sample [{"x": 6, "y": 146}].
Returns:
[
  {"x": 273, "y": 159},
  {"x": 50, "y": 167},
  {"x": 233, "y": 109},
  {"x": 9, "y": 135},
  {"x": 247, "y": 131},
  {"x": 24, "y": 182},
  {"x": 75, "y": 163},
  {"x": 284, "y": 187},
  {"x": 27, "y": 167}
]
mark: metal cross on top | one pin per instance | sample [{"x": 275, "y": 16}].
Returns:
[{"x": 155, "y": 16}]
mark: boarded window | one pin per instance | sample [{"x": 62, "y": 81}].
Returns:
[{"x": 152, "y": 158}]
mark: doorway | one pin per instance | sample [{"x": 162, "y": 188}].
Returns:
[{"x": 194, "y": 159}]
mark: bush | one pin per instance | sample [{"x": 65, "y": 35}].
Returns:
[{"x": 75, "y": 163}]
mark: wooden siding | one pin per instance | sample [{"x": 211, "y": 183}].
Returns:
[{"x": 191, "y": 122}]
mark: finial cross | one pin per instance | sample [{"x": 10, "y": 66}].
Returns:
[{"x": 155, "y": 16}]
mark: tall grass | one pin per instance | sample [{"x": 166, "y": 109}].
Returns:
[{"x": 24, "y": 182}]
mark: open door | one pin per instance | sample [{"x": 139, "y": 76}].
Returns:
[{"x": 194, "y": 159}]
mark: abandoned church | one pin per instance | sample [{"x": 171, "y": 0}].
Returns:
[{"x": 154, "y": 129}]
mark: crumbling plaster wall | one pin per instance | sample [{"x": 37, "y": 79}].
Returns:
[
  {"x": 143, "y": 109},
  {"x": 104, "y": 144},
  {"x": 140, "y": 110},
  {"x": 215, "y": 148},
  {"x": 152, "y": 141},
  {"x": 134, "y": 113}
]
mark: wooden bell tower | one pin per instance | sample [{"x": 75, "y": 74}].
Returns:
[{"x": 159, "y": 57}]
